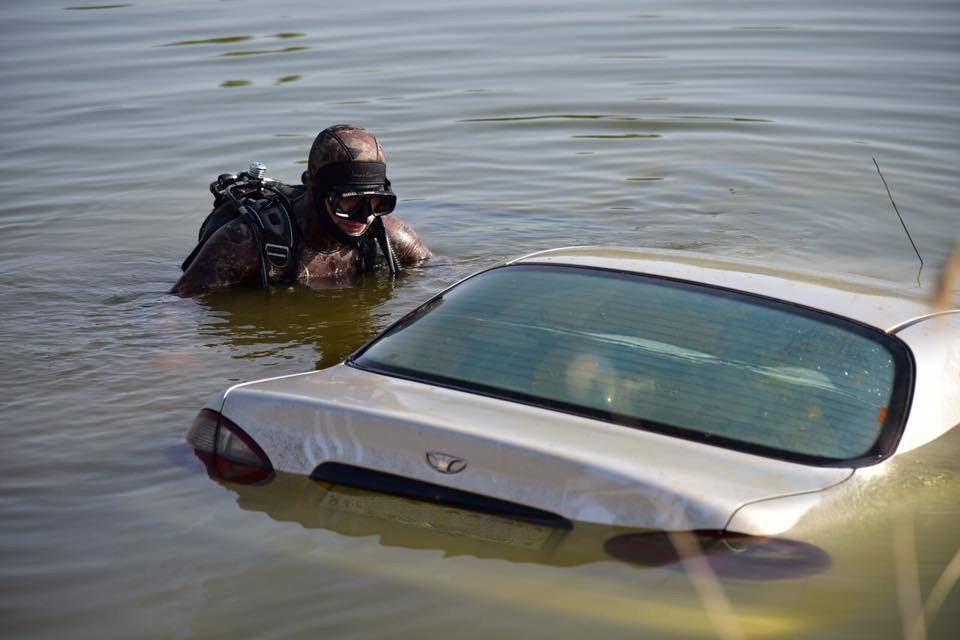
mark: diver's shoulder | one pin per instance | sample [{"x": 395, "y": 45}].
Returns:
[
  {"x": 409, "y": 247},
  {"x": 236, "y": 232},
  {"x": 292, "y": 192},
  {"x": 396, "y": 224},
  {"x": 228, "y": 257}
]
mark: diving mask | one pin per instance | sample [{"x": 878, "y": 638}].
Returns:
[
  {"x": 356, "y": 190},
  {"x": 357, "y": 205}
]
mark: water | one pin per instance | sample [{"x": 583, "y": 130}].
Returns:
[{"x": 741, "y": 129}]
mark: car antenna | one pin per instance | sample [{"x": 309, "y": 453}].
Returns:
[{"x": 902, "y": 223}]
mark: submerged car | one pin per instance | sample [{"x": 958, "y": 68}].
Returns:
[{"x": 652, "y": 389}]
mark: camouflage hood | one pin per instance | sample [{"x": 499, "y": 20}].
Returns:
[{"x": 343, "y": 153}]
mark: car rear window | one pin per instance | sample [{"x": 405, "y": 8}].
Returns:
[{"x": 689, "y": 360}]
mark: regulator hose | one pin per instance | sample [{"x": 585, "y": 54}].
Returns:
[{"x": 380, "y": 233}]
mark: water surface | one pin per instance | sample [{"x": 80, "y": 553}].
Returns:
[{"x": 738, "y": 129}]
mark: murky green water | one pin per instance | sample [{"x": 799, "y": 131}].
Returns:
[{"x": 726, "y": 128}]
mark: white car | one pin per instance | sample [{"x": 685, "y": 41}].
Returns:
[{"x": 651, "y": 389}]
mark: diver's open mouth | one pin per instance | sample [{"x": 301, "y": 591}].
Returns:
[{"x": 350, "y": 227}]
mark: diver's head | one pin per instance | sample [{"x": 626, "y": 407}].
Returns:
[{"x": 347, "y": 181}]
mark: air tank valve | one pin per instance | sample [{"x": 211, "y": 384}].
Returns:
[{"x": 257, "y": 170}]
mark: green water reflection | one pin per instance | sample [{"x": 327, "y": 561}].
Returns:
[
  {"x": 219, "y": 40},
  {"x": 333, "y": 321},
  {"x": 261, "y": 52}
]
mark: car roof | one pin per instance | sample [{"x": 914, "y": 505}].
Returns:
[{"x": 876, "y": 303}]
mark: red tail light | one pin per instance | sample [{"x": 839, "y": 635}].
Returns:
[{"x": 227, "y": 451}]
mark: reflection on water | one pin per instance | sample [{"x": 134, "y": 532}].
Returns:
[
  {"x": 843, "y": 564},
  {"x": 234, "y": 39},
  {"x": 96, "y": 7},
  {"x": 334, "y": 321},
  {"x": 569, "y": 116},
  {"x": 260, "y": 52},
  {"x": 628, "y": 57},
  {"x": 415, "y": 524},
  {"x": 220, "y": 40},
  {"x": 729, "y": 556},
  {"x": 617, "y": 136},
  {"x": 279, "y": 81},
  {"x": 610, "y": 121},
  {"x": 412, "y": 524}
]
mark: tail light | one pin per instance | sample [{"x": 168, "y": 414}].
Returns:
[{"x": 228, "y": 452}]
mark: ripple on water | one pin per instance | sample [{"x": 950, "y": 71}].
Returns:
[
  {"x": 97, "y": 7},
  {"x": 261, "y": 52},
  {"x": 217, "y": 40},
  {"x": 616, "y": 136}
]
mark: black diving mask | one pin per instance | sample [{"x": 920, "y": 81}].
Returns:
[
  {"x": 356, "y": 190},
  {"x": 358, "y": 204}
]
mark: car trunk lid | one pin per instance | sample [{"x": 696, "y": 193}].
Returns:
[{"x": 575, "y": 467}]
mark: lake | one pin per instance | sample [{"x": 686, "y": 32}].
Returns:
[{"x": 744, "y": 129}]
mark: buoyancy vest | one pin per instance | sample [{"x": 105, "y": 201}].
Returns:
[{"x": 268, "y": 212}]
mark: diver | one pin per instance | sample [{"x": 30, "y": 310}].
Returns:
[{"x": 334, "y": 225}]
